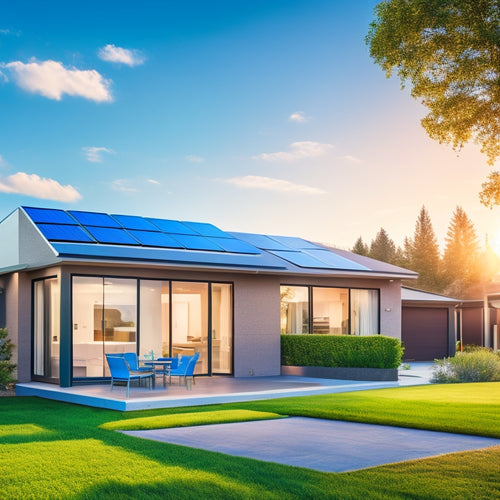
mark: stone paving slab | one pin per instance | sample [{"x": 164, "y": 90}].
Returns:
[{"x": 323, "y": 445}]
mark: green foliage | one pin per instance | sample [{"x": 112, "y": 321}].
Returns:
[
  {"x": 375, "y": 351},
  {"x": 448, "y": 51},
  {"x": 360, "y": 247},
  {"x": 382, "y": 247},
  {"x": 423, "y": 254},
  {"x": 478, "y": 365},
  {"x": 490, "y": 193},
  {"x": 6, "y": 367},
  {"x": 461, "y": 253}
]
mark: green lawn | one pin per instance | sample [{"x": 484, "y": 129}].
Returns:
[{"x": 56, "y": 450}]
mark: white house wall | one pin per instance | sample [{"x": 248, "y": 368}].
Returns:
[{"x": 9, "y": 236}]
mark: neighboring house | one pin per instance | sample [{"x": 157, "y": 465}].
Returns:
[
  {"x": 479, "y": 320},
  {"x": 77, "y": 285},
  {"x": 428, "y": 329}
]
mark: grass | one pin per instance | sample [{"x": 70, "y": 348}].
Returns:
[
  {"x": 188, "y": 419},
  {"x": 61, "y": 451}
]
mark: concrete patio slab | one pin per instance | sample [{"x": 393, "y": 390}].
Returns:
[
  {"x": 323, "y": 445},
  {"x": 212, "y": 390}
]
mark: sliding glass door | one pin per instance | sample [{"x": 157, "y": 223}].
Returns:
[
  {"x": 176, "y": 318},
  {"x": 104, "y": 321},
  {"x": 46, "y": 328}
]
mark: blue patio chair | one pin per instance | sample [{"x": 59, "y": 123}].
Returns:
[
  {"x": 186, "y": 368},
  {"x": 166, "y": 369},
  {"x": 131, "y": 359},
  {"x": 120, "y": 372}
]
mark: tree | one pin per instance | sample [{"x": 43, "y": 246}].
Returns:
[
  {"x": 424, "y": 255},
  {"x": 360, "y": 247},
  {"x": 461, "y": 253},
  {"x": 382, "y": 247},
  {"x": 449, "y": 53},
  {"x": 490, "y": 195}
]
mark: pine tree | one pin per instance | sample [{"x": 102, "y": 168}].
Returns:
[
  {"x": 461, "y": 253},
  {"x": 360, "y": 247},
  {"x": 424, "y": 254},
  {"x": 382, "y": 247}
]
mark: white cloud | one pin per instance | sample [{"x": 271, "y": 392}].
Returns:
[
  {"x": 298, "y": 151},
  {"x": 123, "y": 185},
  {"x": 195, "y": 159},
  {"x": 270, "y": 184},
  {"x": 52, "y": 80},
  {"x": 352, "y": 159},
  {"x": 2, "y": 161},
  {"x": 94, "y": 154},
  {"x": 298, "y": 117},
  {"x": 112, "y": 53},
  {"x": 38, "y": 187},
  {"x": 153, "y": 181}
]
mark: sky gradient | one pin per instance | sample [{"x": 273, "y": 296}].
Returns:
[{"x": 261, "y": 116}]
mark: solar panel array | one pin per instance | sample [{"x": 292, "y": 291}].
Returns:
[
  {"x": 301, "y": 253},
  {"x": 73, "y": 226}
]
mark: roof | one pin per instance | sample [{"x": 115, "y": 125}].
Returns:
[
  {"x": 72, "y": 235},
  {"x": 421, "y": 296}
]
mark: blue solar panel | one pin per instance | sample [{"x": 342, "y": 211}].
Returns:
[
  {"x": 111, "y": 235},
  {"x": 261, "y": 241},
  {"x": 60, "y": 232},
  {"x": 135, "y": 222},
  {"x": 235, "y": 246},
  {"x": 172, "y": 226},
  {"x": 296, "y": 243},
  {"x": 206, "y": 229},
  {"x": 151, "y": 239},
  {"x": 49, "y": 215},
  {"x": 94, "y": 219},
  {"x": 196, "y": 242},
  {"x": 302, "y": 260},
  {"x": 336, "y": 261}
]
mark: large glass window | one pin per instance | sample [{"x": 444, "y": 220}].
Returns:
[
  {"x": 330, "y": 311},
  {"x": 173, "y": 320},
  {"x": 46, "y": 315},
  {"x": 104, "y": 321},
  {"x": 334, "y": 311},
  {"x": 364, "y": 312},
  {"x": 154, "y": 320},
  {"x": 294, "y": 309},
  {"x": 222, "y": 328},
  {"x": 190, "y": 321}
]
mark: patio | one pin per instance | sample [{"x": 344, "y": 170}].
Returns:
[{"x": 212, "y": 390}]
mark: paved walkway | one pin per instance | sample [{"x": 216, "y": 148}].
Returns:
[{"x": 323, "y": 445}]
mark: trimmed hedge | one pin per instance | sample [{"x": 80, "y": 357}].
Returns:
[{"x": 375, "y": 351}]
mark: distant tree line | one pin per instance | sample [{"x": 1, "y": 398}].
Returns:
[{"x": 459, "y": 272}]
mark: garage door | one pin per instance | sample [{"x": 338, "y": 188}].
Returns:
[{"x": 425, "y": 333}]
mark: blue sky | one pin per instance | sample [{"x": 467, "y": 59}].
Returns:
[{"x": 260, "y": 116}]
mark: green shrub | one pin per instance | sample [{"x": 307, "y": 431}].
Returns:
[
  {"x": 375, "y": 351},
  {"x": 6, "y": 367},
  {"x": 479, "y": 365}
]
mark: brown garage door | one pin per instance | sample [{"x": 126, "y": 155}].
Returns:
[{"x": 425, "y": 333}]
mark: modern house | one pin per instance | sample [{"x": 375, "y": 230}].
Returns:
[{"x": 77, "y": 285}]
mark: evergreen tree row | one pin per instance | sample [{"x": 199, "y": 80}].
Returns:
[{"x": 459, "y": 272}]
